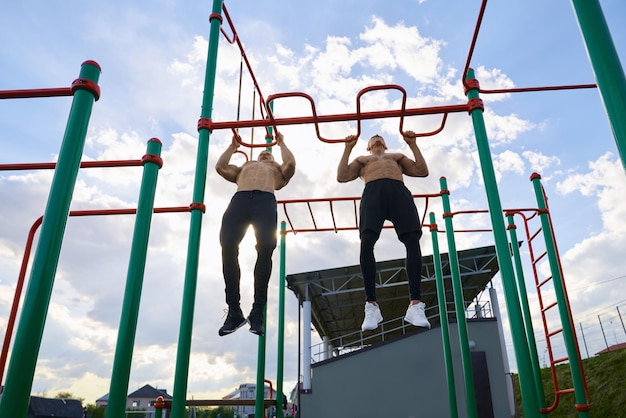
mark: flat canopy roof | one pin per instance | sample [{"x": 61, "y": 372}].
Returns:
[{"x": 337, "y": 295}]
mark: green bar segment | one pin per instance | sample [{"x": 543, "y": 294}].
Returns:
[
  {"x": 459, "y": 306},
  {"x": 520, "y": 342},
  {"x": 134, "y": 282},
  {"x": 21, "y": 370},
  {"x": 281, "y": 322},
  {"x": 193, "y": 246},
  {"x": 606, "y": 66},
  {"x": 567, "y": 323},
  {"x": 523, "y": 297},
  {"x": 443, "y": 315}
]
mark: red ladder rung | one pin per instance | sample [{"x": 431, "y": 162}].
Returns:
[
  {"x": 552, "y": 305},
  {"x": 536, "y": 260},
  {"x": 533, "y": 236},
  {"x": 560, "y": 360},
  {"x": 546, "y": 280},
  {"x": 565, "y": 391},
  {"x": 553, "y": 333}
]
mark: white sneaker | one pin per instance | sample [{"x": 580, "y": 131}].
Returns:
[
  {"x": 373, "y": 317},
  {"x": 415, "y": 315}
]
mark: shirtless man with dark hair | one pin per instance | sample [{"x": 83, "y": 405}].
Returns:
[
  {"x": 253, "y": 204},
  {"x": 385, "y": 197}
]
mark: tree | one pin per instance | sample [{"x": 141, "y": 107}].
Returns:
[
  {"x": 69, "y": 395},
  {"x": 94, "y": 411}
]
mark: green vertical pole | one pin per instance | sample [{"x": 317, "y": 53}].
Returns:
[
  {"x": 443, "y": 315},
  {"x": 520, "y": 342},
  {"x": 21, "y": 370},
  {"x": 523, "y": 297},
  {"x": 281, "y": 322},
  {"x": 606, "y": 66},
  {"x": 260, "y": 371},
  {"x": 120, "y": 376},
  {"x": 459, "y": 304},
  {"x": 259, "y": 404},
  {"x": 567, "y": 322},
  {"x": 158, "y": 407},
  {"x": 195, "y": 227}
]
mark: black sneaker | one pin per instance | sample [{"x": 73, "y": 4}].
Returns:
[
  {"x": 234, "y": 321},
  {"x": 256, "y": 323}
]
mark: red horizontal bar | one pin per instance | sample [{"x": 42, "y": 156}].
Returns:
[
  {"x": 26, "y": 94},
  {"x": 550, "y": 306},
  {"x": 553, "y": 333},
  {"x": 342, "y": 117},
  {"x": 544, "y": 88},
  {"x": 84, "y": 164}
]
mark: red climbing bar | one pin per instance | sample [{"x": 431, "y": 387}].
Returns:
[
  {"x": 342, "y": 117},
  {"x": 83, "y": 164},
  {"x": 467, "y": 83},
  {"x": 28, "y": 94}
]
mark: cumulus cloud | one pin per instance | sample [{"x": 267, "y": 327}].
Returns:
[{"x": 539, "y": 161}]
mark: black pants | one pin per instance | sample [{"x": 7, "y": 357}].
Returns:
[
  {"x": 387, "y": 199},
  {"x": 247, "y": 208}
]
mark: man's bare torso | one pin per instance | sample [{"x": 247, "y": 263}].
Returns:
[
  {"x": 259, "y": 175},
  {"x": 384, "y": 166}
]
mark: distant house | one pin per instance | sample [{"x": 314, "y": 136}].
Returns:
[
  {"x": 141, "y": 399},
  {"x": 612, "y": 348},
  {"x": 54, "y": 408},
  {"x": 103, "y": 400},
  {"x": 248, "y": 391}
]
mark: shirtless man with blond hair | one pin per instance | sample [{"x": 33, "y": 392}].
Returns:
[
  {"x": 385, "y": 197},
  {"x": 253, "y": 204}
]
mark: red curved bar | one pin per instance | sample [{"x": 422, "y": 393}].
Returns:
[
  {"x": 26, "y": 257},
  {"x": 235, "y": 40},
  {"x": 269, "y": 120},
  {"x": 481, "y": 14},
  {"x": 403, "y": 109},
  {"x": 266, "y": 145},
  {"x": 230, "y": 24},
  {"x": 244, "y": 154},
  {"x": 470, "y": 53},
  {"x": 276, "y": 96},
  {"x": 380, "y": 87},
  {"x": 18, "y": 295},
  {"x": 342, "y": 117},
  {"x": 431, "y": 133}
]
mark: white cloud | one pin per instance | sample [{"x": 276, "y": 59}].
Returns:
[
  {"x": 504, "y": 129},
  {"x": 405, "y": 47},
  {"x": 540, "y": 162}
]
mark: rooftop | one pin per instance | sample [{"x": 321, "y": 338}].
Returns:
[{"x": 337, "y": 295}]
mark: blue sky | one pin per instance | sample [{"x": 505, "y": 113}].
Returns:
[{"x": 153, "y": 57}]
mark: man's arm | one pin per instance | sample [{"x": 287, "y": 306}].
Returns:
[
  {"x": 228, "y": 171},
  {"x": 348, "y": 172},
  {"x": 288, "y": 167},
  {"x": 417, "y": 167}
]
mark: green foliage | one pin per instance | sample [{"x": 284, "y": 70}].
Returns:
[
  {"x": 221, "y": 412},
  {"x": 94, "y": 411},
  {"x": 137, "y": 413},
  {"x": 605, "y": 375},
  {"x": 68, "y": 395}
]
